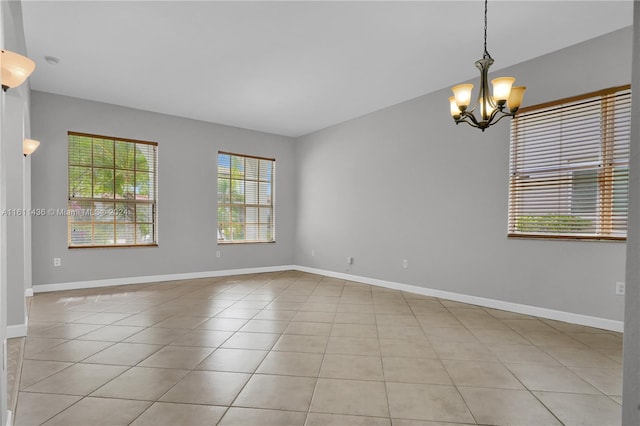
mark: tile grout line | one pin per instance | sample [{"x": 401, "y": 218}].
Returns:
[
  {"x": 384, "y": 376},
  {"x": 455, "y": 386},
  {"x": 315, "y": 387}
]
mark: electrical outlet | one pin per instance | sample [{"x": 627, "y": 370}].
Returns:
[
  {"x": 350, "y": 260},
  {"x": 218, "y": 254},
  {"x": 620, "y": 287},
  {"x": 405, "y": 263},
  {"x": 57, "y": 261},
  {"x": 313, "y": 252}
]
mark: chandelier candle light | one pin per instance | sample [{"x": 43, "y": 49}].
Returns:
[{"x": 505, "y": 100}]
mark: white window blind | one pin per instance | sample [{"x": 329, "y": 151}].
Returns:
[
  {"x": 569, "y": 167},
  {"x": 112, "y": 191},
  {"x": 245, "y": 198}
]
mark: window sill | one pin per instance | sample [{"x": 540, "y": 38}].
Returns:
[
  {"x": 566, "y": 238},
  {"x": 224, "y": 243},
  {"x": 114, "y": 246}
]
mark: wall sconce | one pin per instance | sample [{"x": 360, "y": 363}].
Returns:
[
  {"x": 14, "y": 69},
  {"x": 29, "y": 145}
]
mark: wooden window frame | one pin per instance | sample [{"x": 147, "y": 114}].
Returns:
[
  {"x": 605, "y": 176},
  {"x": 231, "y": 205},
  {"x": 128, "y": 203}
]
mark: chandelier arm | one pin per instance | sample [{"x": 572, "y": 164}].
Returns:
[
  {"x": 504, "y": 114},
  {"x": 488, "y": 122},
  {"x": 496, "y": 110},
  {"x": 471, "y": 120},
  {"x": 470, "y": 123},
  {"x": 468, "y": 116},
  {"x": 470, "y": 111}
]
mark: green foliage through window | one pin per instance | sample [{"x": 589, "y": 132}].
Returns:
[
  {"x": 112, "y": 191},
  {"x": 554, "y": 224},
  {"x": 245, "y": 198}
]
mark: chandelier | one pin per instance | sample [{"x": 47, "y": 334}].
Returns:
[{"x": 505, "y": 100}]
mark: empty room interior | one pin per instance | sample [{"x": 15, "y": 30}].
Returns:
[{"x": 280, "y": 213}]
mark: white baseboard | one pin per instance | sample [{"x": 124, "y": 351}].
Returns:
[
  {"x": 19, "y": 330},
  {"x": 43, "y": 288},
  {"x": 570, "y": 317},
  {"x": 28, "y": 292}
]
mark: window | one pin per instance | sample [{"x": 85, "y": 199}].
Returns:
[
  {"x": 569, "y": 167},
  {"x": 245, "y": 198},
  {"x": 112, "y": 192}
]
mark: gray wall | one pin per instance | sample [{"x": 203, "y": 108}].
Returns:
[
  {"x": 187, "y": 193},
  {"x": 406, "y": 183}
]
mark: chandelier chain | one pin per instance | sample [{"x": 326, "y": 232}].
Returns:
[{"x": 486, "y": 53}]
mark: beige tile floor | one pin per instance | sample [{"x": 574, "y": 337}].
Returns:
[{"x": 298, "y": 349}]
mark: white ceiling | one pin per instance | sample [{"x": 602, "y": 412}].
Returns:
[{"x": 289, "y": 67}]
